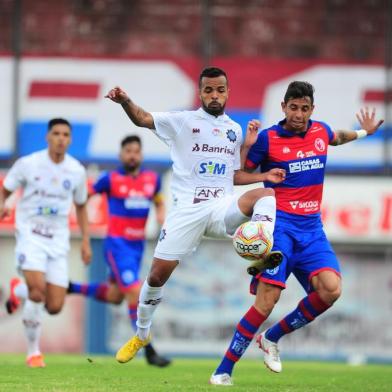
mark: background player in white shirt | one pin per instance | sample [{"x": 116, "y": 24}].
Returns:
[
  {"x": 51, "y": 180},
  {"x": 205, "y": 149}
]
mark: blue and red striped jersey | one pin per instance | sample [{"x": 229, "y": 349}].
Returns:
[
  {"x": 129, "y": 201},
  {"x": 303, "y": 156}
]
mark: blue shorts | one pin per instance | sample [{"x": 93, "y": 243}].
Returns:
[
  {"x": 124, "y": 260},
  {"x": 305, "y": 254}
]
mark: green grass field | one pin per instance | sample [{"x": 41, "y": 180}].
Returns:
[{"x": 78, "y": 373}]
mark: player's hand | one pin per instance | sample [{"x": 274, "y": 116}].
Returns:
[
  {"x": 5, "y": 212},
  {"x": 276, "y": 175},
  {"x": 368, "y": 120},
  {"x": 86, "y": 252},
  {"x": 251, "y": 133},
  {"x": 117, "y": 95}
]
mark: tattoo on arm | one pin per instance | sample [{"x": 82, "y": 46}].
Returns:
[{"x": 343, "y": 137}]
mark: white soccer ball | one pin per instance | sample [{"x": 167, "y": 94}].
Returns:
[{"x": 252, "y": 241}]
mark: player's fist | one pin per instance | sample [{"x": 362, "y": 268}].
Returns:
[
  {"x": 276, "y": 175},
  {"x": 117, "y": 95},
  {"x": 251, "y": 132}
]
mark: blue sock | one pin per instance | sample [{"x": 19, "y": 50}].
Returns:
[
  {"x": 243, "y": 335},
  {"x": 94, "y": 290},
  {"x": 307, "y": 310}
]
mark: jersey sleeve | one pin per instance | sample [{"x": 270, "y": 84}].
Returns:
[
  {"x": 102, "y": 185},
  {"x": 331, "y": 134},
  {"x": 258, "y": 152},
  {"x": 80, "y": 192},
  {"x": 168, "y": 124},
  {"x": 16, "y": 177}
]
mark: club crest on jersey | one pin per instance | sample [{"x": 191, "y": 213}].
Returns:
[
  {"x": 319, "y": 144},
  {"x": 231, "y": 135},
  {"x": 67, "y": 184}
]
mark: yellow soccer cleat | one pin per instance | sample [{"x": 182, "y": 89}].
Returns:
[{"x": 129, "y": 350}]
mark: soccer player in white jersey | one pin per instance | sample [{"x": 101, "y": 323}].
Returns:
[
  {"x": 51, "y": 180},
  {"x": 205, "y": 150}
]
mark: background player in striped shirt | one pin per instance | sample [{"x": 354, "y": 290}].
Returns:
[
  {"x": 299, "y": 145},
  {"x": 130, "y": 192}
]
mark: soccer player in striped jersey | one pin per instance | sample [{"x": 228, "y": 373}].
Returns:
[
  {"x": 299, "y": 145},
  {"x": 131, "y": 191}
]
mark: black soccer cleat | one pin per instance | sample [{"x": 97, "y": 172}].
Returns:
[
  {"x": 273, "y": 260},
  {"x": 153, "y": 358}
]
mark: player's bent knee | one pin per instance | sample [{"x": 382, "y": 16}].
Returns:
[
  {"x": 54, "y": 309},
  {"x": 36, "y": 295},
  {"x": 330, "y": 296}
]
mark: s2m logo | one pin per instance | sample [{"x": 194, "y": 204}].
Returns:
[{"x": 211, "y": 168}]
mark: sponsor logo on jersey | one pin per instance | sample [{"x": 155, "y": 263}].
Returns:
[
  {"x": 211, "y": 168},
  {"x": 195, "y": 130},
  {"x": 286, "y": 150},
  {"x": 308, "y": 205},
  {"x": 306, "y": 154},
  {"x": 231, "y": 135},
  {"x": 47, "y": 211},
  {"x": 309, "y": 164},
  {"x": 214, "y": 149},
  {"x": 136, "y": 202},
  {"x": 261, "y": 218},
  {"x": 272, "y": 271},
  {"x": 319, "y": 144},
  {"x": 203, "y": 193}
]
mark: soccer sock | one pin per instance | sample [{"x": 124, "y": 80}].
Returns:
[
  {"x": 264, "y": 210},
  {"x": 243, "y": 335},
  {"x": 32, "y": 315},
  {"x": 94, "y": 290},
  {"x": 132, "y": 313},
  {"x": 21, "y": 291},
  {"x": 307, "y": 310},
  {"x": 149, "y": 299}
]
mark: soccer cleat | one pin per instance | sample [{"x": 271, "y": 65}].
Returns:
[
  {"x": 129, "y": 350},
  {"x": 13, "y": 302},
  {"x": 35, "y": 361},
  {"x": 153, "y": 358},
  {"x": 221, "y": 379},
  {"x": 271, "y": 353},
  {"x": 272, "y": 260}
]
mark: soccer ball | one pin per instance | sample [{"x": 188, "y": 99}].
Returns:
[{"x": 252, "y": 241}]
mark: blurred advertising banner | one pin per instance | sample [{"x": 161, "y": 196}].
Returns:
[
  {"x": 354, "y": 210},
  {"x": 75, "y": 88}
]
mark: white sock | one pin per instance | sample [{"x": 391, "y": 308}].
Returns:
[
  {"x": 149, "y": 299},
  {"x": 21, "y": 291},
  {"x": 32, "y": 315},
  {"x": 264, "y": 210}
]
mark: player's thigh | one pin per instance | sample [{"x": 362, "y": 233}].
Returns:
[
  {"x": 225, "y": 217},
  {"x": 182, "y": 231},
  {"x": 55, "y": 296},
  {"x": 124, "y": 266},
  {"x": 313, "y": 256}
]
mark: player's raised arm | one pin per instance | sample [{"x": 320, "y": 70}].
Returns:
[
  {"x": 137, "y": 115},
  {"x": 250, "y": 139},
  {"x": 368, "y": 123}
]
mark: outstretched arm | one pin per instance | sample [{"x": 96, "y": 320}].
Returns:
[
  {"x": 369, "y": 126},
  {"x": 275, "y": 176},
  {"x": 137, "y": 115}
]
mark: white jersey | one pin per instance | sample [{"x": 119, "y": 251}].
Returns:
[
  {"x": 205, "y": 151},
  {"x": 48, "y": 190}
]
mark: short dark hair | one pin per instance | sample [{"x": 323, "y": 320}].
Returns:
[
  {"x": 299, "y": 89},
  {"x": 56, "y": 121},
  {"x": 131, "y": 139},
  {"x": 211, "y": 72}
]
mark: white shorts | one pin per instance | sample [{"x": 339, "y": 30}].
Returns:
[
  {"x": 185, "y": 226},
  {"x": 32, "y": 257}
]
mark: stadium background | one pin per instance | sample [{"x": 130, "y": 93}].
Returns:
[{"x": 59, "y": 58}]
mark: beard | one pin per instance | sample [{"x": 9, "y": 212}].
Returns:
[
  {"x": 214, "y": 110},
  {"x": 131, "y": 167}
]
